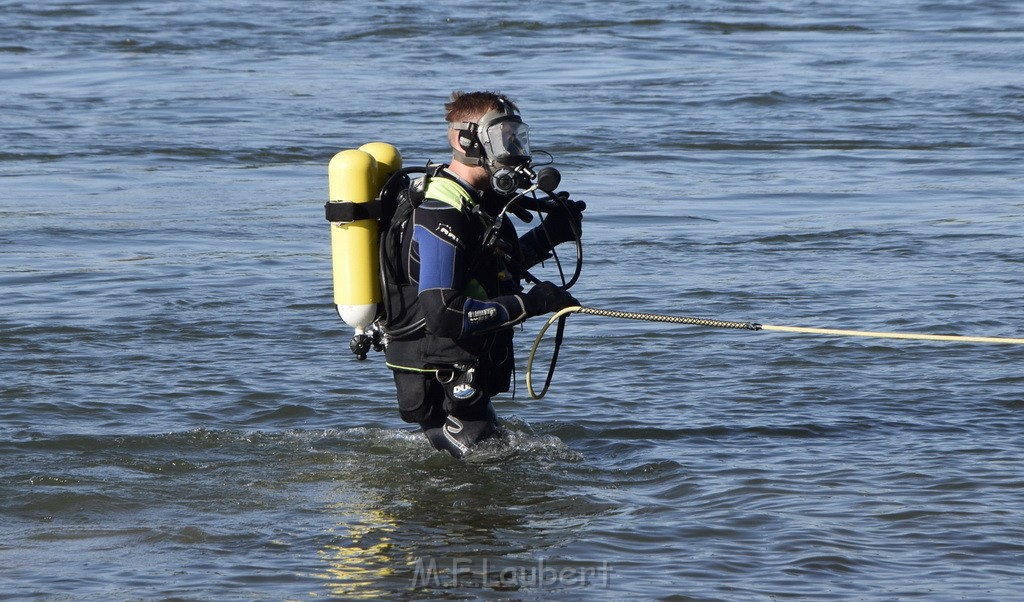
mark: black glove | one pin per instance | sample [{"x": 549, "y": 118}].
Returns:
[
  {"x": 564, "y": 224},
  {"x": 545, "y": 297},
  {"x": 556, "y": 228}
]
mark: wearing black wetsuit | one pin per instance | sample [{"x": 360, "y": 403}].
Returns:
[{"x": 468, "y": 300}]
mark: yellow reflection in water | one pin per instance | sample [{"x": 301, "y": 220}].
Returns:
[{"x": 357, "y": 567}]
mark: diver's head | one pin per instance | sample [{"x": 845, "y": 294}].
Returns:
[{"x": 486, "y": 131}]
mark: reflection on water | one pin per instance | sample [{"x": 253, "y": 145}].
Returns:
[
  {"x": 409, "y": 518},
  {"x": 360, "y": 557}
]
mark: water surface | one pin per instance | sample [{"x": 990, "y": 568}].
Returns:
[{"x": 181, "y": 418}]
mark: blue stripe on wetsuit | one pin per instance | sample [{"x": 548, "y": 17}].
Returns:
[
  {"x": 440, "y": 260},
  {"x": 437, "y": 260}
]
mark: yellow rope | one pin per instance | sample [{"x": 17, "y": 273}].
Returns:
[
  {"x": 743, "y": 326},
  {"x": 893, "y": 335}
]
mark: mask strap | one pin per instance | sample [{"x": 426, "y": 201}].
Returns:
[{"x": 472, "y": 152}]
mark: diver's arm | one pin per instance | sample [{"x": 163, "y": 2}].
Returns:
[{"x": 439, "y": 235}]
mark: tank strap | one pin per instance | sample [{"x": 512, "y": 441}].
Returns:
[{"x": 347, "y": 211}]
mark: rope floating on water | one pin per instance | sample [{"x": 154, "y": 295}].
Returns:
[
  {"x": 893, "y": 335},
  {"x": 626, "y": 315}
]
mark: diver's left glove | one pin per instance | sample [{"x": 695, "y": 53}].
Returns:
[
  {"x": 561, "y": 225},
  {"x": 565, "y": 224},
  {"x": 546, "y": 297}
]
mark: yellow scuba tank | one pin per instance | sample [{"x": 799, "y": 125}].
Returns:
[{"x": 355, "y": 177}]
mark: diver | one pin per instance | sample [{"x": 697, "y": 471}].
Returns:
[{"x": 461, "y": 269}]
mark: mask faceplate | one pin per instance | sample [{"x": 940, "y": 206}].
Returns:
[
  {"x": 505, "y": 139},
  {"x": 499, "y": 139}
]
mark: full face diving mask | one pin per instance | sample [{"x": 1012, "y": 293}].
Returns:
[{"x": 500, "y": 142}]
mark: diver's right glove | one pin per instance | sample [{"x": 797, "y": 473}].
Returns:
[{"x": 546, "y": 297}]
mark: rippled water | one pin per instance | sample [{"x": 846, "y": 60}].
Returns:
[{"x": 181, "y": 418}]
